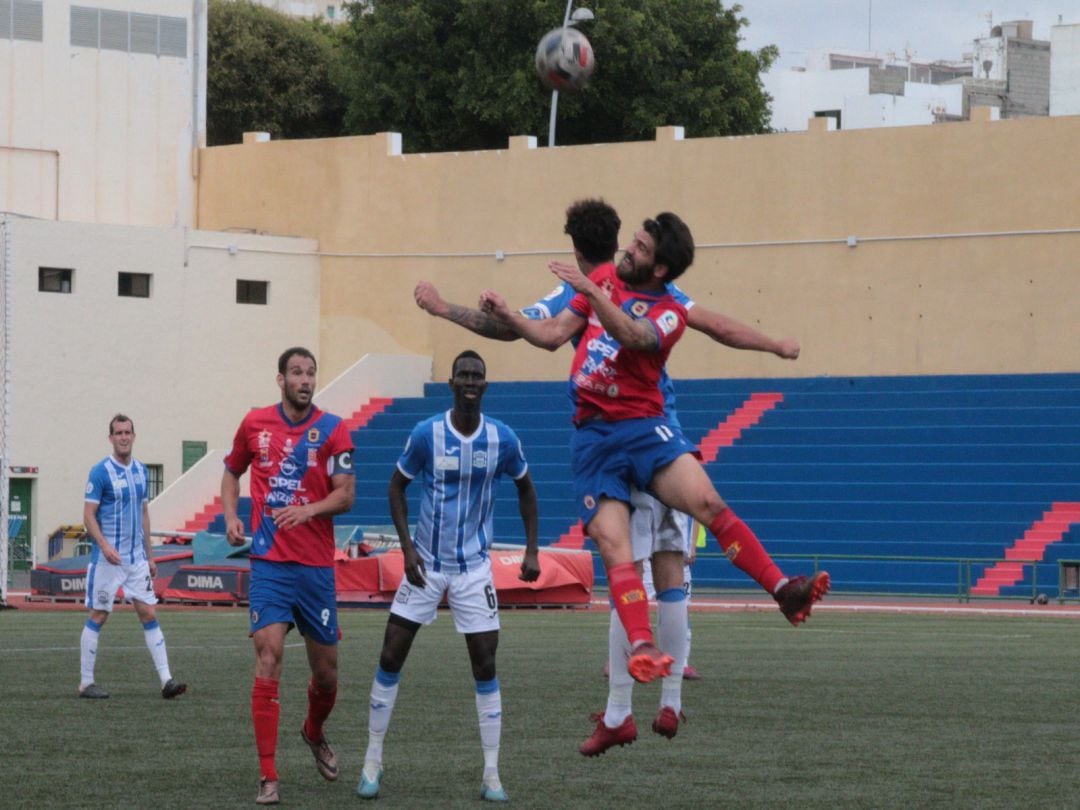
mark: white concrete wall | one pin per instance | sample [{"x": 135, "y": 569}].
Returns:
[
  {"x": 1065, "y": 69},
  {"x": 308, "y": 8},
  {"x": 883, "y": 110},
  {"x": 94, "y": 135},
  {"x": 798, "y": 94},
  {"x": 944, "y": 98},
  {"x": 375, "y": 375},
  {"x": 185, "y": 364}
]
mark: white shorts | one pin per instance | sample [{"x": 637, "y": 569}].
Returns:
[
  {"x": 471, "y": 597},
  {"x": 656, "y": 527},
  {"x": 103, "y": 580}
]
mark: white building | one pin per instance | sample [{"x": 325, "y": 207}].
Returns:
[
  {"x": 861, "y": 89},
  {"x": 1009, "y": 71},
  {"x": 332, "y": 11},
  {"x": 106, "y": 289},
  {"x": 101, "y": 109},
  {"x": 1065, "y": 69}
]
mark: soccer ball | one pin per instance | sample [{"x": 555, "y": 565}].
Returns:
[{"x": 564, "y": 60}]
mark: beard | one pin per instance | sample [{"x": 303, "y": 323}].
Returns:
[
  {"x": 634, "y": 274},
  {"x": 296, "y": 399}
]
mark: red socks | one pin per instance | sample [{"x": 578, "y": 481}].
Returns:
[
  {"x": 319, "y": 705},
  {"x": 743, "y": 548},
  {"x": 265, "y": 711},
  {"x": 628, "y": 596}
]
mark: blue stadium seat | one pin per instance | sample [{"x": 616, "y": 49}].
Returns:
[{"x": 942, "y": 468}]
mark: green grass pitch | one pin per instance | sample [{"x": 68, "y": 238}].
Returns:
[{"x": 850, "y": 710}]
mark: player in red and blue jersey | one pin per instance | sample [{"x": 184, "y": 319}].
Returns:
[
  {"x": 627, "y": 324},
  {"x": 300, "y": 460},
  {"x": 661, "y": 536}
]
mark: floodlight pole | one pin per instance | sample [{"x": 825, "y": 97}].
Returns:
[{"x": 585, "y": 15}]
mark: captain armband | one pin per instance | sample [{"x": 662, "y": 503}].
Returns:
[{"x": 341, "y": 464}]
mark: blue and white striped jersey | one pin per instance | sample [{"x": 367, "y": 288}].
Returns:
[
  {"x": 119, "y": 492},
  {"x": 459, "y": 475}
]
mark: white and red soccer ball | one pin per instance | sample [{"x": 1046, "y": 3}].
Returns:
[{"x": 565, "y": 60}]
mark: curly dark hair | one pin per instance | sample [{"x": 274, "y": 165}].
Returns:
[
  {"x": 674, "y": 243},
  {"x": 593, "y": 227}
]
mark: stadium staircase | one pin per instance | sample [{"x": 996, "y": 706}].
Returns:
[{"x": 920, "y": 485}]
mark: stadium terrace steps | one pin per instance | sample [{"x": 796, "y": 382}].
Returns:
[
  {"x": 946, "y": 468},
  {"x": 203, "y": 517},
  {"x": 574, "y": 538},
  {"x": 938, "y": 467},
  {"x": 367, "y": 412},
  {"x": 743, "y": 418},
  {"x": 1051, "y": 528}
]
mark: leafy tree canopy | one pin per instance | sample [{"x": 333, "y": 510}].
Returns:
[
  {"x": 458, "y": 74},
  {"x": 269, "y": 73}
]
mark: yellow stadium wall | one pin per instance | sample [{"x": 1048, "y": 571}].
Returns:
[{"x": 954, "y": 278}]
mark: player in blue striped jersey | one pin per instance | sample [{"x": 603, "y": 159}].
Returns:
[
  {"x": 117, "y": 519},
  {"x": 459, "y": 457}
]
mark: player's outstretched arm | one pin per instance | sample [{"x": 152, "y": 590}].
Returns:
[
  {"x": 738, "y": 335},
  {"x": 550, "y": 333},
  {"x": 481, "y": 323},
  {"x": 630, "y": 333},
  {"x": 530, "y": 565},
  {"x": 399, "y": 513}
]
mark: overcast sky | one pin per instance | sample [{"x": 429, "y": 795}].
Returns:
[{"x": 931, "y": 29}]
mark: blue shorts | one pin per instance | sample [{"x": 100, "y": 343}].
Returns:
[
  {"x": 290, "y": 593},
  {"x": 609, "y": 457}
]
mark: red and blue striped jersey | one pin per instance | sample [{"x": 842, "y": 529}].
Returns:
[
  {"x": 291, "y": 463},
  {"x": 612, "y": 383}
]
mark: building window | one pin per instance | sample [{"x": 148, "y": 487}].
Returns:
[
  {"x": 330, "y": 12},
  {"x": 155, "y": 480},
  {"x": 126, "y": 31},
  {"x": 54, "y": 279},
  {"x": 251, "y": 292},
  {"x": 21, "y": 19},
  {"x": 134, "y": 285}
]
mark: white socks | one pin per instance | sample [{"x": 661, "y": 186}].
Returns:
[
  {"x": 88, "y": 645},
  {"x": 620, "y": 683},
  {"x": 155, "y": 642},
  {"x": 384, "y": 690},
  {"x": 672, "y": 616},
  {"x": 489, "y": 715}
]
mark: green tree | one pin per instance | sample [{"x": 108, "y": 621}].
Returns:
[
  {"x": 269, "y": 73},
  {"x": 458, "y": 74}
]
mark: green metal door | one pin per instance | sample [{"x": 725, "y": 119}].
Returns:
[{"x": 190, "y": 453}]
